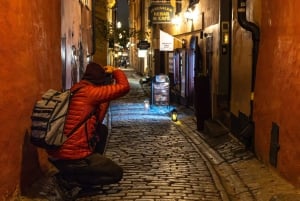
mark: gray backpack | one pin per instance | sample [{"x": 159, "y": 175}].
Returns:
[{"x": 48, "y": 119}]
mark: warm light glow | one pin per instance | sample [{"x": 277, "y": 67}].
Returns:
[
  {"x": 119, "y": 25},
  {"x": 189, "y": 14},
  {"x": 176, "y": 20},
  {"x": 142, "y": 53},
  {"x": 89, "y": 58},
  {"x": 174, "y": 115},
  {"x": 226, "y": 38}
]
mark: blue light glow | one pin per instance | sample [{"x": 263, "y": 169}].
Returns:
[{"x": 137, "y": 111}]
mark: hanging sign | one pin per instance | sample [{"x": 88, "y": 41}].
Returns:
[
  {"x": 166, "y": 41},
  {"x": 143, "y": 45},
  {"x": 161, "y": 13}
]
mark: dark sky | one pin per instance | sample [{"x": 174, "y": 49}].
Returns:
[{"x": 123, "y": 12}]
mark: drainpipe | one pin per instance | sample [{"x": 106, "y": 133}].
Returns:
[{"x": 254, "y": 29}]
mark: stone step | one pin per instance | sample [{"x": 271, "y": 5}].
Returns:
[{"x": 214, "y": 129}]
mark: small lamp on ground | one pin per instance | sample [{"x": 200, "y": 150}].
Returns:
[
  {"x": 174, "y": 115},
  {"x": 146, "y": 104}
]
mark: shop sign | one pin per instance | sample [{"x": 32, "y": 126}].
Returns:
[
  {"x": 166, "y": 41},
  {"x": 143, "y": 45},
  {"x": 161, "y": 13}
]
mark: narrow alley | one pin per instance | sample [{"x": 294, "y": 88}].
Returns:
[{"x": 171, "y": 161}]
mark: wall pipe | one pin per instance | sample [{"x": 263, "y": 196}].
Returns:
[{"x": 254, "y": 29}]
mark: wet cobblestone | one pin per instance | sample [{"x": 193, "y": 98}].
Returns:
[{"x": 159, "y": 163}]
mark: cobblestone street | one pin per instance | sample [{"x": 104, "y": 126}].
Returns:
[
  {"x": 172, "y": 161},
  {"x": 159, "y": 162}
]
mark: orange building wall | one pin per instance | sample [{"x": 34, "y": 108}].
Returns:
[
  {"x": 277, "y": 92},
  {"x": 30, "y": 63}
]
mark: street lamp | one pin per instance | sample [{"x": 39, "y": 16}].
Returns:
[{"x": 119, "y": 25}]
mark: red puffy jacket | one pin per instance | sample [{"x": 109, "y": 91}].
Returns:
[{"x": 84, "y": 102}]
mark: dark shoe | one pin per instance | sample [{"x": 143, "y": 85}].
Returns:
[
  {"x": 64, "y": 190},
  {"x": 87, "y": 191}
]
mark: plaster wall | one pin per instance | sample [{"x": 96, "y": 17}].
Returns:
[
  {"x": 277, "y": 91},
  {"x": 241, "y": 60},
  {"x": 241, "y": 63},
  {"x": 71, "y": 31},
  {"x": 30, "y": 63}
]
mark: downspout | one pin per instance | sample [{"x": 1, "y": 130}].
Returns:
[{"x": 254, "y": 29}]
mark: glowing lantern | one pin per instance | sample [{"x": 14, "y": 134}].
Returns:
[{"x": 174, "y": 115}]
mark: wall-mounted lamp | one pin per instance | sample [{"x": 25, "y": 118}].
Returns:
[
  {"x": 119, "y": 25},
  {"x": 189, "y": 14},
  {"x": 225, "y": 32},
  {"x": 183, "y": 43},
  {"x": 174, "y": 115},
  {"x": 176, "y": 20}
]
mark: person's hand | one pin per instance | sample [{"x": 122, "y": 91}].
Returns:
[{"x": 109, "y": 69}]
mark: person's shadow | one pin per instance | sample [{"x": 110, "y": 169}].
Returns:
[{"x": 31, "y": 172}]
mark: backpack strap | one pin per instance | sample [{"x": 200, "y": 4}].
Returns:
[
  {"x": 91, "y": 143},
  {"x": 81, "y": 123},
  {"x": 85, "y": 119}
]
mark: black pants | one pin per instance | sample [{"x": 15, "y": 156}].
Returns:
[
  {"x": 95, "y": 169},
  {"x": 102, "y": 132}
]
